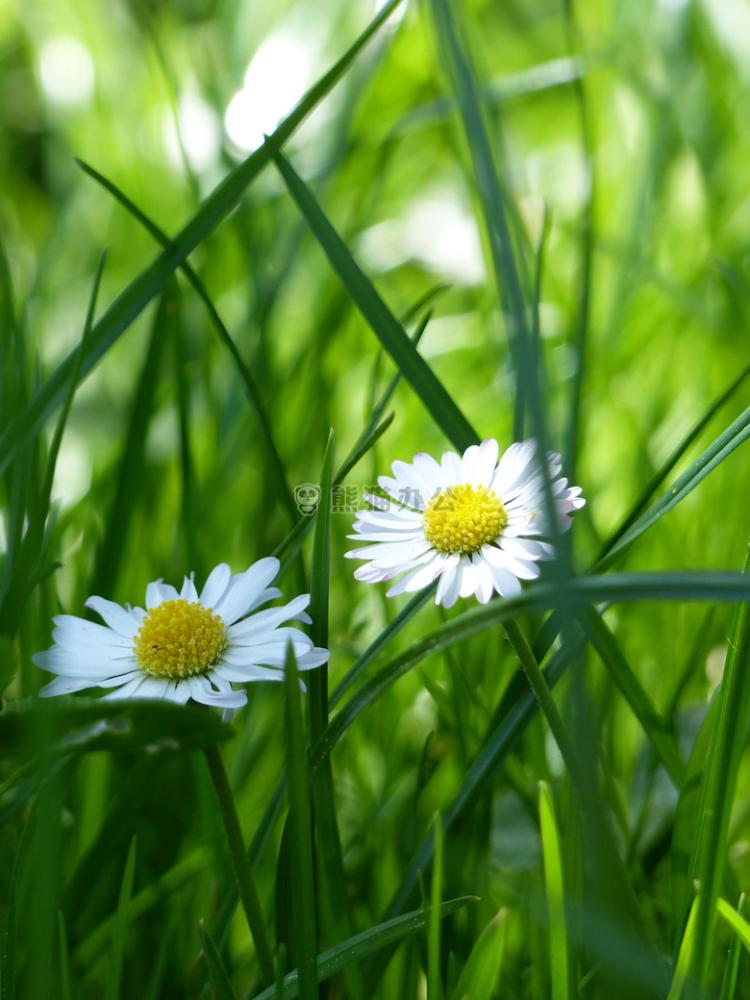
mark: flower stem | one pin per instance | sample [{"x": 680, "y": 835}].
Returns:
[{"x": 240, "y": 862}]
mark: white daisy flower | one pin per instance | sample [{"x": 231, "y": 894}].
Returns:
[
  {"x": 470, "y": 522},
  {"x": 183, "y": 645}
]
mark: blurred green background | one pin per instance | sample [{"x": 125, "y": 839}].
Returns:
[{"x": 625, "y": 122}]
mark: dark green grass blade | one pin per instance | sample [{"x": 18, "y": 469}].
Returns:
[
  {"x": 300, "y": 837},
  {"x": 252, "y": 390},
  {"x": 30, "y": 569},
  {"x": 319, "y": 587},
  {"x": 120, "y": 930},
  {"x": 434, "y": 978},
  {"x": 478, "y": 979},
  {"x": 216, "y": 971},
  {"x": 654, "y": 726},
  {"x": 460, "y": 72},
  {"x": 735, "y": 435},
  {"x": 334, "y": 907},
  {"x": 187, "y": 464},
  {"x": 78, "y": 725},
  {"x": 130, "y": 473},
  {"x": 661, "y": 474},
  {"x": 383, "y": 323},
  {"x": 154, "y": 278},
  {"x": 712, "y": 826},
  {"x": 66, "y": 991},
  {"x": 361, "y": 945}
]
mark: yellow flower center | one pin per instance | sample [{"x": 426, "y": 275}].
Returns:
[
  {"x": 462, "y": 518},
  {"x": 180, "y": 639}
]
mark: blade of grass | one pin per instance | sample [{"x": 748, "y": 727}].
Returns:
[
  {"x": 685, "y": 956},
  {"x": 654, "y": 726},
  {"x": 457, "y": 61},
  {"x": 251, "y": 388},
  {"x": 559, "y": 965},
  {"x": 732, "y": 967},
  {"x": 121, "y": 927},
  {"x": 300, "y": 836},
  {"x": 478, "y": 980},
  {"x": 717, "y": 795},
  {"x": 735, "y": 920},
  {"x": 242, "y": 869},
  {"x": 361, "y": 945},
  {"x": 66, "y": 992},
  {"x": 434, "y": 978},
  {"x": 130, "y": 473},
  {"x": 151, "y": 282},
  {"x": 661, "y": 474},
  {"x": 723, "y": 446},
  {"x": 381, "y": 320},
  {"x": 216, "y": 971}
]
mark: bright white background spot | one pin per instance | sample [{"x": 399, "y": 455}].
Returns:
[
  {"x": 278, "y": 75},
  {"x": 437, "y": 231},
  {"x": 66, "y": 71},
  {"x": 73, "y": 470},
  {"x": 200, "y": 131}
]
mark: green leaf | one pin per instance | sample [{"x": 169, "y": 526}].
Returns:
[
  {"x": 216, "y": 971},
  {"x": 152, "y": 281},
  {"x": 383, "y": 323},
  {"x": 81, "y": 725},
  {"x": 478, "y": 979},
  {"x": 121, "y": 926},
  {"x": 66, "y": 992},
  {"x": 555, "y": 889},
  {"x": 300, "y": 836},
  {"x": 361, "y": 945}
]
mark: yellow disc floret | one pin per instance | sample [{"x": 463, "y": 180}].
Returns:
[
  {"x": 180, "y": 639},
  {"x": 463, "y": 518}
]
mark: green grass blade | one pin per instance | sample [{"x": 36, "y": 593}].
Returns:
[
  {"x": 478, "y": 979},
  {"x": 121, "y": 926},
  {"x": 737, "y": 922},
  {"x": 460, "y": 72},
  {"x": 319, "y": 588},
  {"x": 216, "y": 971},
  {"x": 151, "y": 282},
  {"x": 130, "y": 473},
  {"x": 732, "y": 967},
  {"x": 661, "y": 474},
  {"x": 66, "y": 991},
  {"x": 251, "y": 388},
  {"x": 654, "y": 726},
  {"x": 300, "y": 837},
  {"x": 712, "y": 826},
  {"x": 361, "y": 945},
  {"x": 381, "y": 320},
  {"x": 434, "y": 978},
  {"x": 555, "y": 890},
  {"x": 685, "y": 956},
  {"x": 735, "y": 435}
]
